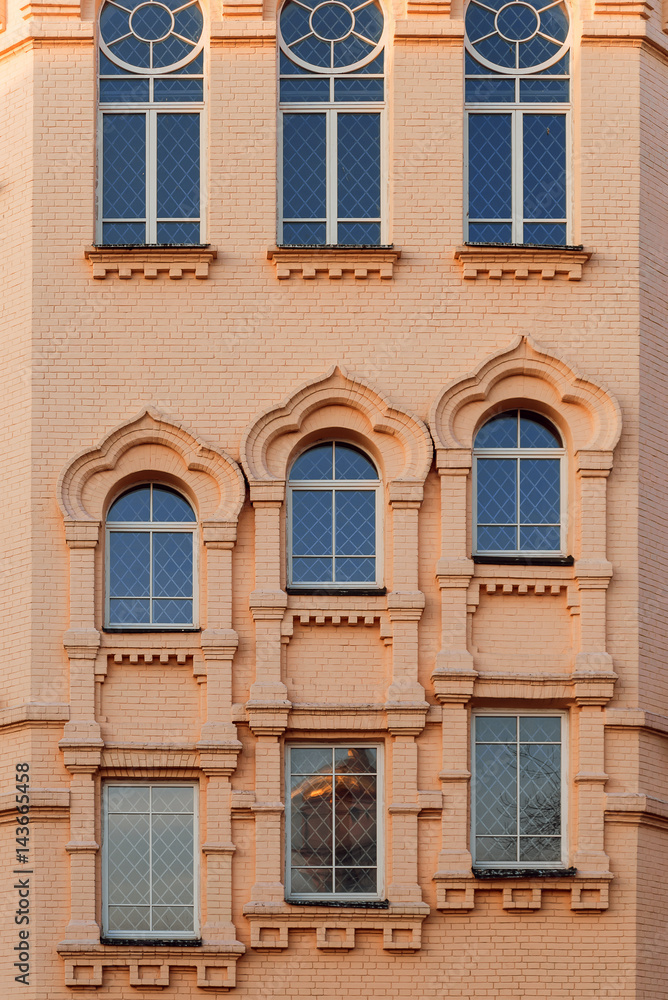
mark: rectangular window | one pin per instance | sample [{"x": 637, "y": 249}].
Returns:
[
  {"x": 518, "y": 790},
  {"x": 333, "y": 822},
  {"x": 149, "y": 861}
]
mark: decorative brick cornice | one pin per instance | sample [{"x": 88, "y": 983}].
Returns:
[
  {"x": 588, "y": 893},
  {"x": 335, "y": 929},
  {"x": 150, "y": 261},
  {"x": 335, "y": 262},
  {"x": 150, "y": 967},
  {"x": 521, "y": 262}
]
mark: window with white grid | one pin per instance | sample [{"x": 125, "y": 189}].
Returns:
[
  {"x": 151, "y": 96},
  {"x": 518, "y": 122},
  {"x": 518, "y": 805},
  {"x": 149, "y": 861},
  {"x": 332, "y": 103},
  {"x": 333, "y": 822}
]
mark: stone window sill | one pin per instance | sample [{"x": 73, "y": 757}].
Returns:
[
  {"x": 522, "y": 262},
  {"x": 333, "y": 261},
  {"x": 521, "y": 892},
  {"x": 149, "y": 262},
  {"x": 149, "y": 965}
]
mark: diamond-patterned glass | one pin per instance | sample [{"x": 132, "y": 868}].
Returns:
[
  {"x": 536, "y": 432},
  {"x": 123, "y": 91},
  {"x": 369, "y": 21},
  {"x": 106, "y": 66},
  {"x": 128, "y": 798},
  {"x": 351, "y": 50},
  {"x": 540, "y": 493},
  {"x": 496, "y": 850},
  {"x": 173, "y": 860},
  {"x": 129, "y": 612},
  {"x": 129, "y": 562},
  {"x": 490, "y": 90},
  {"x": 178, "y": 90},
  {"x": 128, "y": 858},
  {"x": 189, "y": 22},
  {"x": 311, "y": 760},
  {"x": 540, "y": 788},
  {"x": 497, "y": 490},
  {"x": 178, "y": 165},
  {"x": 170, "y": 506},
  {"x": 543, "y": 849},
  {"x": 304, "y": 234},
  {"x": 132, "y": 51},
  {"x": 545, "y": 233},
  {"x": 124, "y": 166},
  {"x": 172, "y": 919},
  {"x": 497, "y": 51},
  {"x": 172, "y": 564},
  {"x": 312, "y": 522},
  {"x": 179, "y": 233},
  {"x": 311, "y": 821},
  {"x": 135, "y": 505},
  {"x": 316, "y": 463},
  {"x": 540, "y": 729},
  {"x": 517, "y": 22},
  {"x": 496, "y": 729},
  {"x": 172, "y": 612},
  {"x": 313, "y": 51},
  {"x": 544, "y": 166},
  {"x": 358, "y": 234},
  {"x": 355, "y": 522},
  {"x": 305, "y": 89},
  {"x": 496, "y": 789},
  {"x": 172, "y": 798},
  {"x": 545, "y": 91},
  {"x": 499, "y": 432},
  {"x": 170, "y": 51},
  {"x": 355, "y": 89},
  {"x": 537, "y": 50},
  {"x": 355, "y": 820},
  {"x": 311, "y": 881},
  {"x": 352, "y": 464},
  {"x": 479, "y": 21},
  {"x": 358, "y": 165},
  {"x": 128, "y": 918},
  {"x": 332, "y": 21},
  {"x": 114, "y": 22},
  {"x": 355, "y": 880},
  {"x": 294, "y": 22},
  {"x": 304, "y": 166},
  {"x": 355, "y": 760},
  {"x": 492, "y": 539},
  {"x": 354, "y": 570},
  {"x": 490, "y": 166},
  {"x": 311, "y": 570},
  {"x": 554, "y": 22},
  {"x": 123, "y": 233},
  {"x": 540, "y": 539}
]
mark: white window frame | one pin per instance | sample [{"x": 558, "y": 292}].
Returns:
[
  {"x": 516, "y": 454},
  {"x": 329, "y": 486},
  {"x": 564, "y": 860},
  {"x": 380, "y": 830},
  {"x": 148, "y": 936},
  {"x": 150, "y": 527}
]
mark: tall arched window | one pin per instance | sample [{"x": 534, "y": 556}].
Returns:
[
  {"x": 332, "y": 100},
  {"x": 517, "y": 101},
  {"x": 333, "y": 497},
  {"x": 518, "y": 460},
  {"x": 151, "y": 99},
  {"x": 150, "y": 560}
]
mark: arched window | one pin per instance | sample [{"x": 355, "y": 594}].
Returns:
[
  {"x": 150, "y": 560},
  {"x": 151, "y": 101},
  {"x": 517, "y": 101},
  {"x": 332, "y": 101},
  {"x": 333, "y": 497},
  {"x": 517, "y": 463}
]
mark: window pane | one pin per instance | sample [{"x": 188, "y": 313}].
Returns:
[
  {"x": 359, "y": 90},
  {"x": 129, "y": 918},
  {"x": 499, "y": 432},
  {"x": 311, "y": 760},
  {"x": 355, "y": 880},
  {"x": 311, "y": 522},
  {"x": 545, "y": 91},
  {"x": 496, "y": 539},
  {"x": 170, "y": 506},
  {"x": 179, "y": 233},
  {"x": 355, "y": 570},
  {"x": 497, "y": 490},
  {"x": 178, "y": 166},
  {"x": 496, "y": 850},
  {"x": 170, "y": 51},
  {"x": 540, "y": 494},
  {"x": 124, "y": 166},
  {"x": 546, "y": 849},
  {"x": 129, "y": 563},
  {"x": 537, "y": 432},
  {"x": 294, "y": 22},
  {"x": 172, "y": 564},
  {"x": 358, "y": 165},
  {"x": 311, "y": 570},
  {"x": 355, "y": 523},
  {"x": 172, "y": 799},
  {"x": 305, "y": 89},
  {"x": 545, "y": 234},
  {"x": 313, "y": 51},
  {"x": 135, "y": 505},
  {"x": 171, "y": 612},
  {"x": 352, "y": 464},
  {"x": 178, "y": 90},
  {"x": 128, "y": 859},
  {"x": 355, "y": 820},
  {"x": 311, "y": 880},
  {"x": 490, "y": 232},
  {"x": 123, "y": 90},
  {"x": 497, "y": 51},
  {"x": 479, "y": 21},
  {"x": 496, "y": 789},
  {"x": 355, "y": 760},
  {"x": 133, "y": 52},
  {"x": 173, "y": 860},
  {"x": 350, "y": 51},
  {"x": 540, "y": 539},
  {"x": 316, "y": 463},
  {"x": 188, "y": 22},
  {"x": 479, "y": 91},
  {"x": 540, "y": 788},
  {"x": 490, "y": 166},
  {"x": 544, "y": 166},
  {"x": 540, "y": 729},
  {"x": 123, "y": 233},
  {"x": 172, "y": 919},
  {"x": 114, "y": 22},
  {"x": 129, "y": 612},
  {"x": 536, "y": 51},
  {"x": 128, "y": 798},
  {"x": 358, "y": 233},
  {"x": 305, "y": 234},
  {"x": 311, "y": 821},
  {"x": 495, "y": 729},
  {"x": 304, "y": 166},
  {"x": 369, "y": 21}
]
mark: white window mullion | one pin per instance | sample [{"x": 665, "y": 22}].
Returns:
[
  {"x": 332, "y": 155},
  {"x": 151, "y": 176},
  {"x": 518, "y": 178}
]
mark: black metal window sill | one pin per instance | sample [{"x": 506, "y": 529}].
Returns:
[
  {"x": 143, "y": 631},
  {"x": 331, "y": 592},
  {"x": 495, "y": 873},
  {"x": 523, "y": 560},
  {"x": 153, "y": 942},
  {"x": 368, "y": 904}
]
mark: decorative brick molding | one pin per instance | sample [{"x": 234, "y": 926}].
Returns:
[
  {"x": 624, "y": 8},
  {"x": 309, "y": 261},
  {"x": 150, "y": 967},
  {"x": 521, "y": 262},
  {"x": 335, "y": 928},
  {"x": 459, "y": 894},
  {"x": 150, "y": 261}
]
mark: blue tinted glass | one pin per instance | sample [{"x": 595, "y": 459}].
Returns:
[
  {"x": 540, "y": 789},
  {"x": 178, "y": 90},
  {"x": 517, "y": 22},
  {"x": 545, "y": 91},
  {"x": 537, "y": 51},
  {"x": 310, "y": 234},
  {"x": 490, "y": 232},
  {"x": 496, "y": 789},
  {"x": 304, "y": 166},
  {"x": 490, "y": 166},
  {"x": 540, "y": 539},
  {"x": 107, "y": 66},
  {"x": 124, "y": 89},
  {"x": 350, "y": 51},
  {"x": 375, "y": 66},
  {"x": 358, "y": 234},
  {"x": 178, "y": 166},
  {"x": 124, "y": 166},
  {"x": 479, "y": 22},
  {"x": 355, "y": 570},
  {"x": 540, "y": 729},
  {"x": 311, "y": 522},
  {"x": 170, "y": 51},
  {"x": 563, "y": 66},
  {"x": 196, "y": 65},
  {"x": 545, "y": 234},
  {"x": 114, "y": 22},
  {"x": 332, "y": 21},
  {"x": 132, "y": 51},
  {"x": 543, "y": 849},
  {"x": 288, "y": 67},
  {"x": 172, "y": 564},
  {"x": 151, "y": 21},
  {"x": 544, "y": 166},
  {"x": 129, "y": 612},
  {"x": 311, "y": 570},
  {"x": 294, "y": 22},
  {"x": 537, "y": 432},
  {"x": 123, "y": 233},
  {"x": 178, "y": 233},
  {"x": 355, "y": 523},
  {"x": 172, "y": 612},
  {"x": 189, "y": 22},
  {"x": 554, "y": 22},
  {"x": 135, "y": 505},
  {"x": 499, "y": 432},
  {"x": 129, "y": 563},
  {"x": 353, "y": 464},
  {"x": 305, "y": 89},
  {"x": 354, "y": 89},
  {"x": 496, "y": 850},
  {"x": 471, "y": 66},
  {"x": 540, "y": 494},
  {"x": 498, "y": 51},
  {"x": 490, "y": 89},
  {"x": 369, "y": 21},
  {"x": 316, "y": 463},
  {"x": 313, "y": 51},
  {"x": 170, "y": 506},
  {"x": 497, "y": 491},
  {"x": 358, "y": 165},
  {"x": 497, "y": 539},
  {"x": 496, "y": 729}
]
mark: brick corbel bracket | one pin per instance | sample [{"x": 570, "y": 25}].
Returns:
[
  {"x": 149, "y": 967},
  {"x": 587, "y": 894},
  {"x": 149, "y": 262},
  {"x": 522, "y": 262},
  {"x": 334, "y": 261}
]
